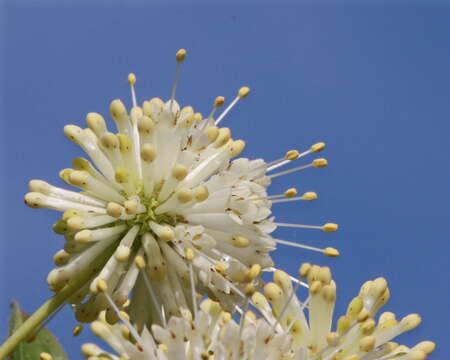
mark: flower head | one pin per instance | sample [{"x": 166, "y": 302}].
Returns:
[
  {"x": 281, "y": 331},
  {"x": 164, "y": 203}
]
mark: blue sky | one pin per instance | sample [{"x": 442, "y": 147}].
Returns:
[{"x": 372, "y": 80}]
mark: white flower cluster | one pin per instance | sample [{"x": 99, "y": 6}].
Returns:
[
  {"x": 162, "y": 204},
  {"x": 280, "y": 331}
]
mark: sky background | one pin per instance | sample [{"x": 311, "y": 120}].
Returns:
[{"x": 370, "y": 79}]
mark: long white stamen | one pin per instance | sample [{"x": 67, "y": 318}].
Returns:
[
  {"x": 285, "y": 172},
  {"x": 303, "y": 305},
  {"x": 281, "y": 162},
  {"x": 285, "y": 306},
  {"x": 194, "y": 299},
  {"x": 277, "y": 201},
  {"x": 153, "y": 297},
  {"x": 123, "y": 319},
  {"x": 300, "y": 226},
  {"x": 132, "y": 81},
  {"x": 290, "y": 243},
  {"x": 180, "y": 56},
  {"x": 242, "y": 93},
  {"x": 243, "y": 316}
]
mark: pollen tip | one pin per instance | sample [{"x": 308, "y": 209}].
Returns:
[
  {"x": 320, "y": 163},
  {"x": 290, "y": 192},
  {"x": 180, "y": 55},
  {"x": 45, "y": 356},
  {"x": 219, "y": 101},
  {"x": 292, "y": 155},
  {"x": 131, "y": 79},
  {"x": 331, "y": 252},
  {"x": 317, "y": 147},
  {"x": 310, "y": 195},
  {"x": 243, "y": 92},
  {"x": 330, "y": 227}
]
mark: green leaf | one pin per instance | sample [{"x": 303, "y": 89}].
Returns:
[{"x": 44, "y": 341}]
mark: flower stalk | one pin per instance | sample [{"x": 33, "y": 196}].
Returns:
[{"x": 51, "y": 305}]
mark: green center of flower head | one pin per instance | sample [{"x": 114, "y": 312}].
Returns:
[{"x": 149, "y": 214}]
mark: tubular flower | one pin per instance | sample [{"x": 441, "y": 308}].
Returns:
[
  {"x": 164, "y": 199},
  {"x": 281, "y": 331}
]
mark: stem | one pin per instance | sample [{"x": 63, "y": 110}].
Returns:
[{"x": 53, "y": 303}]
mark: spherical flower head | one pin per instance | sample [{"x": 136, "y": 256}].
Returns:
[
  {"x": 280, "y": 329},
  {"x": 166, "y": 206}
]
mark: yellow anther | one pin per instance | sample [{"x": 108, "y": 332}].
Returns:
[
  {"x": 110, "y": 141},
  {"x": 292, "y": 155},
  {"x": 332, "y": 338},
  {"x": 180, "y": 55},
  {"x": 354, "y": 307},
  {"x": 226, "y": 316},
  {"x": 410, "y": 322},
  {"x": 124, "y": 143},
  {"x": 100, "y": 329},
  {"x": 249, "y": 290},
  {"x": 59, "y": 227},
  {"x": 45, "y": 356},
  {"x": 61, "y": 258},
  {"x": 139, "y": 261},
  {"x": 148, "y": 153},
  {"x": 83, "y": 236},
  {"x": 95, "y": 122},
  {"x": 320, "y": 163},
  {"x": 212, "y": 132},
  {"x": 310, "y": 195},
  {"x": 331, "y": 252},
  {"x": 131, "y": 79},
  {"x": 290, "y": 192},
  {"x": 124, "y": 331},
  {"x": 237, "y": 147},
  {"x": 240, "y": 241},
  {"x": 122, "y": 175},
  {"x": 252, "y": 273},
  {"x": 367, "y": 343},
  {"x": 78, "y": 178},
  {"x": 131, "y": 206},
  {"x": 179, "y": 172},
  {"x": 324, "y": 275},
  {"x": 223, "y": 137},
  {"x": 363, "y": 315},
  {"x": 201, "y": 193},
  {"x": 77, "y": 330},
  {"x": 304, "y": 269},
  {"x": 101, "y": 285},
  {"x": 114, "y": 210},
  {"x": 69, "y": 214},
  {"x": 64, "y": 175},
  {"x": 315, "y": 287},
  {"x": 184, "y": 195},
  {"x": 330, "y": 227},
  {"x": 368, "y": 326},
  {"x": 243, "y": 92},
  {"x": 317, "y": 147},
  {"x": 72, "y": 132},
  {"x": 163, "y": 347},
  {"x": 220, "y": 100},
  {"x": 426, "y": 346},
  {"x": 220, "y": 268},
  {"x": 343, "y": 324},
  {"x": 145, "y": 124},
  {"x": 122, "y": 253},
  {"x": 272, "y": 292},
  {"x": 189, "y": 254},
  {"x": 118, "y": 110}
]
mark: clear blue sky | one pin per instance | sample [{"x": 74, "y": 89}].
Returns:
[{"x": 371, "y": 80}]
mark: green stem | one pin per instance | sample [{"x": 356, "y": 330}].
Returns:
[{"x": 46, "y": 309}]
